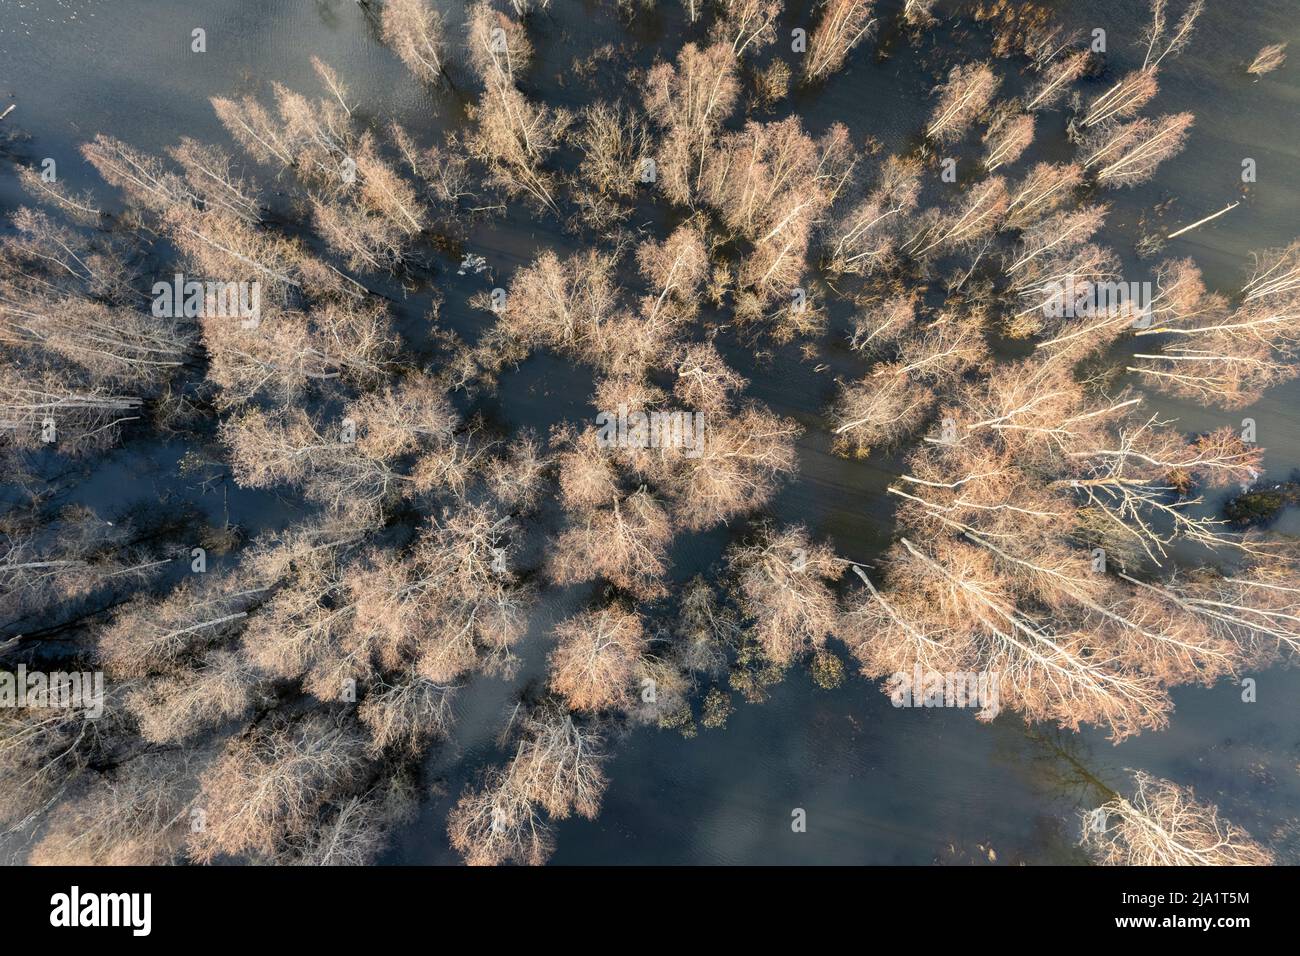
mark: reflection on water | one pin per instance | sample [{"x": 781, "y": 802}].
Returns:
[{"x": 879, "y": 785}]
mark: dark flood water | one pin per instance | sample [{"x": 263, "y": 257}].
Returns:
[{"x": 879, "y": 784}]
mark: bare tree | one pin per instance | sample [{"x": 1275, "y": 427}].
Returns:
[
  {"x": 306, "y": 628},
  {"x": 1123, "y": 100},
  {"x": 1268, "y": 59},
  {"x": 268, "y": 786},
  {"x": 496, "y": 823},
  {"x": 291, "y": 448},
  {"x": 1008, "y": 136},
  {"x": 110, "y": 345},
  {"x": 566, "y": 305},
  {"x": 1128, "y": 153},
  {"x": 1044, "y": 189},
  {"x": 917, "y": 13},
  {"x": 896, "y": 398},
  {"x": 513, "y": 135},
  {"x": 780, "y": 585},
  {"x": 674, "y": 270},
  {"x": 43, "y": 750},
  {"x": 80, "y": 207},
  {"x": 64, "y": 559},
  {"x": 444, "y": 170},
  {"x": 1056, "y": 79},
  {"x": 1162, "y": 824},
  {"x": 1135, "y": 89},
  {"x": 866, "y": 238},
  {"x": 625, "y": 542},
  {"x": 213, "y": 177},
  {"x": 289, "y": 353},
  {"x": 517, "y": 478},
  {"x": 746, "y": 452},
  {"x": 133, "y": 815},
  {"x": 406, "y": 713},
  {"x": 588, "y": 477},
  {"x": 613, "y": 140},
  {"x": 414, "y": 29},
  {"x": 358, "y": 830},
  {"x": 595, "y": 658},
  {"x": 967, "y": 92},
  {"x": 748, "y": 25},
  {"x": 689, "y": 102},
  {"x": 975, "y": 219},
  {"x": 454, "y": 604},
  {"x": 704, "y": 380},
  {"x": 557, "y": 767},
  {"x": 35, "y": 405},
  {"x": 1224, "y": 357},
  {"x": 558, "y": 763},
  {"x": 882, "y": 327},
  {"x": 177, "y": 706},
  {"x": 841, "y": 26},
  {"x": 147, "y": 636}
]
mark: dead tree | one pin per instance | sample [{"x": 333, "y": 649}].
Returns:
[{"x": 1162, "y": 824}]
